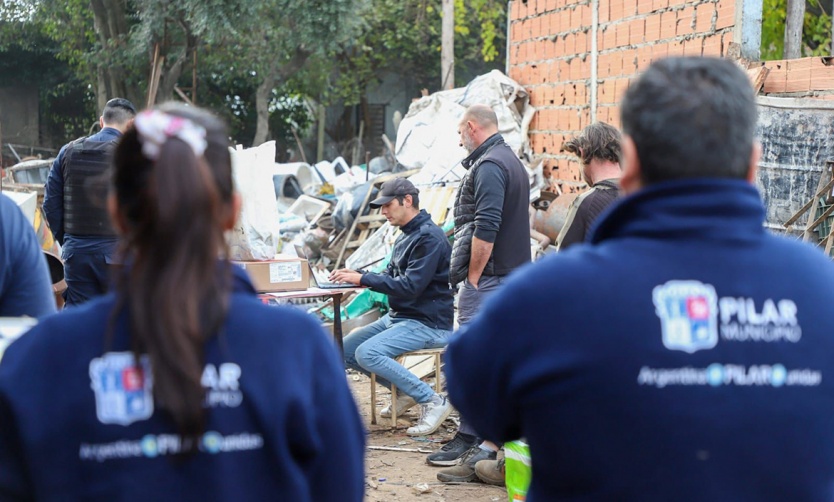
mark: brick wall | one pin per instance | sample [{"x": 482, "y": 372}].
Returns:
[{"x": 551, "y": 55}]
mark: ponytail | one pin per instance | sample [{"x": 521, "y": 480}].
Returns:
[{"x": 173, "y": 200}]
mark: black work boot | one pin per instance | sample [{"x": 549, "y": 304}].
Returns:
[{"x": 451, "y": 452}]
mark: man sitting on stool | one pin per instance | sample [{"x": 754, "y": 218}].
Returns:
[{"x": 417, "y": 284}]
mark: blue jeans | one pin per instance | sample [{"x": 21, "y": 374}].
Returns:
[{"x": 371, "y": 349}]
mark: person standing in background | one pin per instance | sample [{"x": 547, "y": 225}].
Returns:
[{"x": 74, "y": 204}]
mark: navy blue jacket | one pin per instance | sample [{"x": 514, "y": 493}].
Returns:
[
  {"x": 686, "y": 354},
  {"x": 76, "y": 423},
  {"x": 53, "y": 205},
  {"x": 417, "y": 278},
  {"x": 25, "y": 287}
]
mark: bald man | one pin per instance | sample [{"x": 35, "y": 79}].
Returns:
[{"x": 492, "y": 238}]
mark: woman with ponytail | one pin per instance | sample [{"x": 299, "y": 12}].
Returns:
[{"x": 180, "y": 384}]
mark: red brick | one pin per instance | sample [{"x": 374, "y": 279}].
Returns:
[
  {"x": 636, "y": 31},
  {"x": 550, "y": 24},
  {"x": 726, "y": 14},
  {"x": 604, "y": 7},
  {"x": 616, "y": 10},
  {"x": 629, "y": 62},
  {"x": 659, "y": 4},
  {"x": 621, "y": 86},
  {"x": 573, "y": 122},
  {"x": 570, "y": 44},
  {"x": 776, "y": 80},
  {"x": 704, "y": 17},
  {"x": 799, "y": 75},
  {"x": 564, "y": 21},
  {"x": 629, "y": 7},
  {"x": 659, "y": 51},
  {"x": 582, "y": 92},
  {"x": 676, "y": 48},
  {"x": 586, "y": 16},
  {"x": 653, "y": 27},
  {"x": 616, "y": 64},
  {"x": 551, "y": 5},
  {"x": 603, "y": 65},
  {"x": 576, "y": 18},
  {"x": 607, "y": 92},
  {"x": 712, "y": 45},
  {"x": 582, "y": 45},
  {"x": 622, "y": 34},
  {"x": 609, "y": 38},
  {"x": 644, "y": 57},
  {"x": 693, "y": 47},
  {"x": 515, "y": 11},
  {"x": 686, "y": 21},
  {"x": 822, "y": 77},
  {"x": 644, "y": 7},
  {"x": 668, "y": 25}
]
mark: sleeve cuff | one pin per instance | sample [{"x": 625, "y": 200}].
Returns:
[{"x": 486, "y": 235}]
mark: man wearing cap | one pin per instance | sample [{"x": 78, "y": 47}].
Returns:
[
  {"x": 420, "y": 299},
  {"x": 74, "y": 204}
]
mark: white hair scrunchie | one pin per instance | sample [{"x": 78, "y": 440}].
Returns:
[{"x": 155, "y": 127}]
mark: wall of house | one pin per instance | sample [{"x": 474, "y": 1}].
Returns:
[{"x": 573, "y": 81}]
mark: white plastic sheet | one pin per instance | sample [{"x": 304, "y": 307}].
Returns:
[
  {"x": 427, "y": 137},
  {"x": 256, "y": 234}
]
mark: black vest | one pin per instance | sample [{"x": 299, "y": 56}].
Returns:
[
  {"x": 86, "y": 164},
  {"x": 512, "y": 244}
]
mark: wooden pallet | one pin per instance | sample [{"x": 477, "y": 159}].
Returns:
[{"x": 825, "y": 194}]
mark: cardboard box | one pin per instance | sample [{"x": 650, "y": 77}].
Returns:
[{"x": 281, "y": 274}]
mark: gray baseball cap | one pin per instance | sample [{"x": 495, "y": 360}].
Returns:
[{"x": 392, "y": 189}]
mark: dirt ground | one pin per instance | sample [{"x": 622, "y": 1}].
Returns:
[{"x": 405, "y": 476}]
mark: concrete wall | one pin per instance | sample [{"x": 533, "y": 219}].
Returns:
[{"x": 19, "y": 115}]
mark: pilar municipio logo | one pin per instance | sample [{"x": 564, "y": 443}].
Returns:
[
  {"x": 688, "y": 312},
  {"x": 123, "y": 388}
]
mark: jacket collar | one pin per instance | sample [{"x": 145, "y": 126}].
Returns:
[
  {"x": 722, "y": 209},
  {"x": 416, "y": 222},
  {"x": 476, "y": 154}
]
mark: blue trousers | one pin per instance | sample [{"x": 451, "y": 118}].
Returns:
[
  {"x": 371, "y": 349},
  {"x": 469, "y": 303},
  {"x": 87, "y": 276}
]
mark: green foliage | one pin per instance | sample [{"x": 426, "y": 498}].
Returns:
[
  {"x": 816, "y": 32},
  {"x": 404, "y": 37},
  {"x": 332, "y": 50}
]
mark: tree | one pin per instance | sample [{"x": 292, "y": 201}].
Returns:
[
  {"x": 283, "y": 35},
  {"x": 816, "y": 33}
]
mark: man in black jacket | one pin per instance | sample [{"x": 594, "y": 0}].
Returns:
[{"x": 417, "y": 284}]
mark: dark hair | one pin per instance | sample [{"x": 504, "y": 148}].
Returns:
[
  {"x": 415, "y": 200},
  {"x": 599, "y": 141},
  {"x": 691, "y": 117},
  {"x": 174, "y": 286},
  {"x": 118, "y": 111}
]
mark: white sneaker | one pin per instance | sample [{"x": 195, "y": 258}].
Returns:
[
  {"x": 432, "y": 416},
  {"x": 404, "y": 403}
]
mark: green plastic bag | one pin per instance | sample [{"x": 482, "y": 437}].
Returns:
[{"x": 517, "y": 469}]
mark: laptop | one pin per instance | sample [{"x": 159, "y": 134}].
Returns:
[{"x": 319, "y": 278}]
